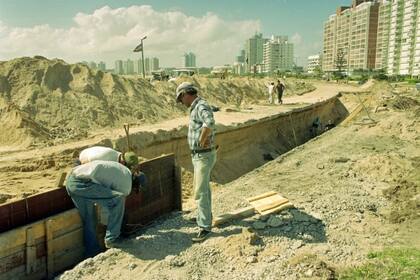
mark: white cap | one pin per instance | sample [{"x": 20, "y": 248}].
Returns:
[{"x": 182, "y": 87}]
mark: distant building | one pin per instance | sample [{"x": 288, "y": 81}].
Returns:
[
  {"x": 92, "y": 65},
  {"x": 374, "y": 35},
  {"x": 102, "y": 66},
  {"x": 314, "y": 61},
  {"x": 128, "y": 67},
  {"x": 239, "y": 68},
  {"x": 277, "y": 54},
  {"x": 254, "y": 48},
  {"x": 189, "y": 60},
  {"x": 403, "y": 56},
  {"x": 350, "y": 37},
  {"x": 118, "y": 69},
  {"x": 241, "y": 57},
  {"x": 382, "y": 41},
  {"x": 154, "y": 63}
]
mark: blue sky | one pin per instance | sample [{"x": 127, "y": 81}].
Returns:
[{"x": 106, "y": 30}]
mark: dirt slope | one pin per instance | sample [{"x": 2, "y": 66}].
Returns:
[
  {"x": 53, "y": 101},
  {"x": 355, "y": 188}
]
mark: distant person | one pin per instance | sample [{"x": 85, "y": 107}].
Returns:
[
  {"x": 105, "y": 183},
  {"x": 270, "y": 88},
  {"x": 280, "y": 87},
  {"x": 316, "y": 127},
  {"x": 201, "y": 134}
]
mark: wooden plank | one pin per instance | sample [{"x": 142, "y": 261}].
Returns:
[
  {"x": 11, "y": 261},
  {"x": 177, "y": 188},
  {"x": 60, "y": 180},
  {"x": 65, "y": 222},
  {"x": 30, "y": 251},
  {"x": 69, "y": 259},
  {"x": 17, "y": 237},
  {"x": 20, "y": 272},
  {"x": 239, "y": 213},
  {"x": 261, "y": 196},
  {"x": 67, "y": 242},
  {"x": 277, "y": 209},
  {"x": 49, "y": 231},
  {"x": 270, "y": 204},
  {"x": 266, "y": 201}
]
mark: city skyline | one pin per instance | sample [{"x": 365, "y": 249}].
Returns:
[{"x": 106, "y": 30}]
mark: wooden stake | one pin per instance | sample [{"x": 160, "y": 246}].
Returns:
[{"x": 30, "y": 251}]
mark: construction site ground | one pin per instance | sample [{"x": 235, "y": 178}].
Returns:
[{"x": 355, "y": 189}]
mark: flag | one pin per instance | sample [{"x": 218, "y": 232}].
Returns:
[{"x": 139, "y": 48}]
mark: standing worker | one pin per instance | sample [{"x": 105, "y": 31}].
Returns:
[
  {"x": 203, "y": 153},
  {"x": 280, "y": 87},
  {"x": 105, "y": 183}
]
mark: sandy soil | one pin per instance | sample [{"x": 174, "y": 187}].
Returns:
[
  {"x": 355, "y": 189},
  {"x": 26, "y": 171}
]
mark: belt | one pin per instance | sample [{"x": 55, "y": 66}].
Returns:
[{"x": 193, "y": 152}]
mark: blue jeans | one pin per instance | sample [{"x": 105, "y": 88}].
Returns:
[
  {"x": 203, "y": 164},
  {"x": 85, "y": 194}
]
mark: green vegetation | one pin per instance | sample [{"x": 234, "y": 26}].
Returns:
[{"x": 389, "y": 264}]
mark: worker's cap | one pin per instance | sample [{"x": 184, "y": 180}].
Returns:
[
  {"x": 185, "y": 86},
  {"x": 131, "y": 159}
]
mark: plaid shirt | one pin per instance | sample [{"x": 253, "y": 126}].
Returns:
[{"x": 201, "y": 115}]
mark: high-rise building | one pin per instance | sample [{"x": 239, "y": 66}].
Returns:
[
  {"x": 350, "y": 37},
  {"x": 382, "y": 40},
  {"x": 147, "y": 65},
  {"x": 102, "y": 66},
  {"x": 92, "y": 65},
  {"x": 374, "y": 34},
  {"x": 118, "y": 69},
  {"x": 254, "y": 52},
  {"x": 314, "y": 62},
  {"x": 128, "y": 67},
  {"x": 277, "y": 54},
  {"x": 154, "y": 64},
  {"x": 404, "y": 38},
  {"x": 241, "y": 57},
  {"x": 189, "y": 60}
]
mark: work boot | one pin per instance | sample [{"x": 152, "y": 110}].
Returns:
[
  {"x": 201, "y": 236},
  {"x": 116, "y": 243}
]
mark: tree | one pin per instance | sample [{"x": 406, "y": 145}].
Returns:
[
  {"x": 340, "y": 61},
  {"x": 318, "y": 71}
]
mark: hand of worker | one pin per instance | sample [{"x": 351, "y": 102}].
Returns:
[{"x": 205, "y": 138}]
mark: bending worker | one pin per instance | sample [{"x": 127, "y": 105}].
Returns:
[
  {"x": 106, "y": 183},
  {"x": 128, "y": 159},
  {"x": 203, "y": 153}
]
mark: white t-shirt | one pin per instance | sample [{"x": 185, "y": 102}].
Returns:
[
  {"x": 270, "y": 89},
  {"x": 111, "y": 174},
  {"x": 98, "y": 153}
]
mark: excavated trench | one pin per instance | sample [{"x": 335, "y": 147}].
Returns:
[{"x": 246, "y": 146}]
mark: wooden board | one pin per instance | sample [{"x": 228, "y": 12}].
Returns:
[{"x": 267, "y": 202}]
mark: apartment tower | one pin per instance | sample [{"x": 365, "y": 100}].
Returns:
[
  {"x": 350, "y": 37},
  {"x": 404, "y": 38}
]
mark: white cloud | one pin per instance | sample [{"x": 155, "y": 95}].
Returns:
[{"x": 109, "y": 34}]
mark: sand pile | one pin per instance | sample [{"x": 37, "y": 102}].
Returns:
[{"x": 44, "y": 100}]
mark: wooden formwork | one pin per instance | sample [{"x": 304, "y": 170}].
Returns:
[{"x": 54, "y": 242}]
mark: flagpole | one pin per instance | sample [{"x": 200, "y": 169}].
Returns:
[
  {"x": 141, "y": 48},
  {"x": 142, "y": 55}
]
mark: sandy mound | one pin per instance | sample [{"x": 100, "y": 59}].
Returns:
[{"x": 54, "y": 101}]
